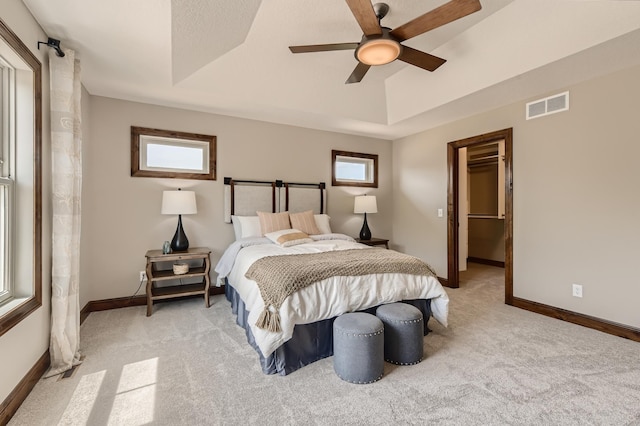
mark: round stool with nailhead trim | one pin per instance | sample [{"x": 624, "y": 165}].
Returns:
[
  {"x": 358, "y": 347},
  {"x": 404, "y": 333}
]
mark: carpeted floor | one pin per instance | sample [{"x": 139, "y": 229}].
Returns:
[{"x": 495, "y": 364}]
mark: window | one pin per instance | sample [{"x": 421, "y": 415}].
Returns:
[
  {"x": 20, "y": 180},
  {"x": 6, "y": 181},
  {"x": 162, "y": 153},
  {"x": 354, "y": 169},
  {"x": 6, "y": 205}
]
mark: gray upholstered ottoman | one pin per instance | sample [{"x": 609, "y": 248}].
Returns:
[
  {"x": 404, "y": 333},
  {"x": 358, "y": 347}
]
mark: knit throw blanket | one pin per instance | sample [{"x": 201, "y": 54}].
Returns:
[{"x": 280, "y": 276}]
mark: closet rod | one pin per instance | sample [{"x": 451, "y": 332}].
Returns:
[
  {"x": 484, "y": 163},
  {"x": 483, "y": 158}
]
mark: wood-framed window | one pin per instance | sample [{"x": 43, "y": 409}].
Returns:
[
  {"x": 169, "y": 154},
  {"x": 354, "y": 169},
  {"x": 20, "y": 180}
]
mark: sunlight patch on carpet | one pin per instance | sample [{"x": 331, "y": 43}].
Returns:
[
  {"x": 134, "y": 402},
  {"x": 83, "y": 399}
]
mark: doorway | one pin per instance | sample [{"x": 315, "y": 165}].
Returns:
[
  {"x": 481, "y": 204},
  {"x": 453, "y": 207}
]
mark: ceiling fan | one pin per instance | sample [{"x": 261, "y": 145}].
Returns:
[{"x": 381, "y": 45}]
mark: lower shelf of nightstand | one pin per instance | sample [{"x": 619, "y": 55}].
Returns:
[{"x": 168, "y": 292}]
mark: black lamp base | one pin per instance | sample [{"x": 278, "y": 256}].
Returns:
[
  {"x": 365, "y": 232},
  {"x": 180, "y": 241}
]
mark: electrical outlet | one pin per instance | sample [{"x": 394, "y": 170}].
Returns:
[
  {"x": 143, "y": 276},
  {"x": 577, "y": 290}
]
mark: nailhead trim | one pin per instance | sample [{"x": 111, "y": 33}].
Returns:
[
  {"x": 400, "y": 321},
  {"x": 404, "y": 363},
  {"x": 359, "y": 383},
  {"x": 346, "y": 333}
]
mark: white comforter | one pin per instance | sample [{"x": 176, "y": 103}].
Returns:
[{"x": 324, "y": 299}]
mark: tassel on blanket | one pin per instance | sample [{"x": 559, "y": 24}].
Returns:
[{"x": 269, "y": 320}]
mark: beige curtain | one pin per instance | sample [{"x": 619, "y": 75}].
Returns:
[{"x": 66, "y": 143}]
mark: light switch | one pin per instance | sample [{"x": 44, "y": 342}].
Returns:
[{"x": 440, "y": 213}]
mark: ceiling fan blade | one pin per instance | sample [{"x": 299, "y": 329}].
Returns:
[
  {"x": 420, "y": 59},
  {"x": 358, "y": 73},
  {"x": 322, "y": 47},
  {"x": 448, "y": 12},
  {"x": 365, "y": 15}
]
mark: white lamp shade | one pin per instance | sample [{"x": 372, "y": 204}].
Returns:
[
  {"x": 179, "y": 202},
  {"x": 365, "y": 204}
]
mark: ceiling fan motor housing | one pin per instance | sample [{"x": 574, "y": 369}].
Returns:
[
  {"x": 381, "y": 10},
  {"x": 378, "y": 49}
]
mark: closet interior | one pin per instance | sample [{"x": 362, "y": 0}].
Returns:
[{"x": 485, "y": 202}]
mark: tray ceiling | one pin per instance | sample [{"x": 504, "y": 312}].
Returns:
[{"x": 231, "y": 57}]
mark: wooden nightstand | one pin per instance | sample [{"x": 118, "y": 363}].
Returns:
[
  {"x": 374, "y": 242},
  {"x": 156, "y": 273}
]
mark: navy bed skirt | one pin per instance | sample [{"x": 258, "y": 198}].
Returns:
[{"x": 309, "y": 343}]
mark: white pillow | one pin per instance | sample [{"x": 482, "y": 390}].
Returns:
[
  {"x": 288, "y": 237},
  {"x": 237, "y": 228},
  {"x": 246, "y": 226},
  {"x": 322, "y": 222}
]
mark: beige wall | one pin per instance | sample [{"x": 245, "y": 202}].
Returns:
[
  {"x": 25, "y": 343},
  {"x": 575, "y": 197},
  {"x": 121, "y": 217}
]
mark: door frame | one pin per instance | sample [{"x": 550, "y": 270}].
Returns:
[{"x": 453, "y": 273}]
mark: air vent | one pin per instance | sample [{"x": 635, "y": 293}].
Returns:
[{"x": 546, "y": 106}]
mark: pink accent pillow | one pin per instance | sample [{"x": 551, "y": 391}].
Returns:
[
  {"x": 271, "y": 222},
  {"x": 305, "y": 222}
]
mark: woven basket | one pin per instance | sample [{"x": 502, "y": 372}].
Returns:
[{"x": 180, "y": 268}]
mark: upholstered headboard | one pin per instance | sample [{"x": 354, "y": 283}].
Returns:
[{"x": 245, "y": 197}]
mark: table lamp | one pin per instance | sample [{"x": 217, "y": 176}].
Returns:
[
  {"x": 179, "y": 202},
  {"x": 365, "y": 204}
]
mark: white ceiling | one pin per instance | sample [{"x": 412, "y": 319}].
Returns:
[{"x": 231, "y": 57}]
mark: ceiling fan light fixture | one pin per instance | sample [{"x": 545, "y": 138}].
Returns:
[
  {"x": 378, "y": 51},
  {"x": 381, "y": 45}
]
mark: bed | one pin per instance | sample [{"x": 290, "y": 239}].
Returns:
[{"x": 293, "y": 328}]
